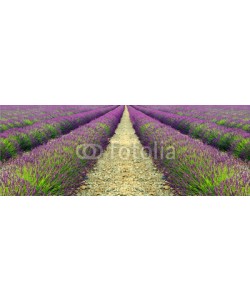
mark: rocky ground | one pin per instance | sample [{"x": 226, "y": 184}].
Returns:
[{"x": 124, "y": 169}]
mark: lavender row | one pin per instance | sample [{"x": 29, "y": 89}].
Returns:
[
  {"x": 55, "y": 168},
  {"x": 235, "y": 141},
  {"x": 191, "y": 167},
  {"x": 232, "y": 116},
  {"x": 16, "y": 140},
  {"x": 20, "y": 116}
]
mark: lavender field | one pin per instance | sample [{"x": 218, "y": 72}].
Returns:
[{"x": 99, "y": 150}]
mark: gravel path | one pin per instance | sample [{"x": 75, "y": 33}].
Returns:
[{"x": 124, "y": 169}]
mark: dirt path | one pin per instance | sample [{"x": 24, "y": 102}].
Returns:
[{"x": 124, "y": 169}]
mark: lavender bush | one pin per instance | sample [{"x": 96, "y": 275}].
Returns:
[
  {"x": 232, "y": 116},
  {"x": 55, "y": 168},
  {"x": 235, "y": 141},
  {"x": 197, "y": 169},
  {"x": 15, "y": 116},
  {"x": 16, "y": 140}
]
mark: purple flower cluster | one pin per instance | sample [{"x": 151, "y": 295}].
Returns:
[
  {"x": 232, "y": 116},
  {"x": 15, "y": 116},
  {"x": 55, "y": 168},
  {"x": 17, "y": 140},
  {"x": 233, "y": 140},
  {"x": 197, "y": 169}
]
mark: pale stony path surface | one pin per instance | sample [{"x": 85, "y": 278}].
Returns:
[{"x": 117, "y": 173}]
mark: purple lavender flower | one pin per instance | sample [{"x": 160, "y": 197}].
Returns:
[
  {"x": 198, "y": 169},
  {"x": 17, "y": 140},
  {"x": 55, "y": 168},
  {"x": 236, "y": 141}
]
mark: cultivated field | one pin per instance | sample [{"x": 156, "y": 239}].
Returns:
[{"x": 125, "y": 150}]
